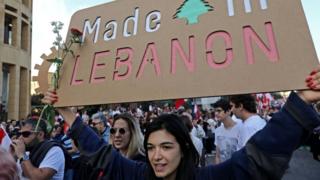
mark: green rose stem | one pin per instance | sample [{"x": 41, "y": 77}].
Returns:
[{"x": 65, "y": 48}]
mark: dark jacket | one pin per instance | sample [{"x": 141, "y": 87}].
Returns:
[{"x": 265, "y": 156}]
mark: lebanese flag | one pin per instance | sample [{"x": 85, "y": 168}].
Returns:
[
  {"x": 178, "y": 103},
  {"x": 5, "y": 140}
]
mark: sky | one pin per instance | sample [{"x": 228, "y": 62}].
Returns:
[{"x": 46, "y": 11}]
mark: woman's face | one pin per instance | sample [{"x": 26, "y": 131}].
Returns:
[
  {"x": 121, "y": 135},
  {"x": 164, "y": 154}
]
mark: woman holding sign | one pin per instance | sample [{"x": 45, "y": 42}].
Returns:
[{"x": 171, "y": 155}]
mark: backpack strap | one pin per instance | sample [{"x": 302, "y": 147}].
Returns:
[{"x": 38, "y": 155}]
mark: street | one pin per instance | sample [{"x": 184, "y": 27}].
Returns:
[{"x": 303, "y": 167}]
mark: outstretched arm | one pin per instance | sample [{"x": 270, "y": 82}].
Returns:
[
  {"x": 88, "y": 141},
  {"x": 269, "y": 151},
  {"x": 101, "y": 156},
  {"x": 267, "y": 154}
]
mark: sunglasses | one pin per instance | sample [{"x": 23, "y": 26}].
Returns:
[
  {"x": 114, "y": 130},
  {"x": 25, "y": 134},
  {"x": 95, "y": 123}
]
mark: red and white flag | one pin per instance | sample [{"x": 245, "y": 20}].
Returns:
[
  {"x": 196, "y": 111},
  {"x": 179, "y": 103},
  {"x": 264, "y": 100},
  {"x": 5, "y": 140}
]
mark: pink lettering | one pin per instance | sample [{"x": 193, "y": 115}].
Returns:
[
  {"x": 75, "y": 81},
  {"x": 154, "y": 60},
  {"x": 96, "y": 65},
  {"x": 188, "y": 61},
  {"x": 123, "y": 62},
  {"x": 210, "y": 55},
  {"x": 250, "y": 35}
]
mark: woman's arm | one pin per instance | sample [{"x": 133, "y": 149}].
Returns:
[
  {"x": 88, "y": 141},
  {"x": 270, "y": 150},
  {"x": 267, "y": 154}
]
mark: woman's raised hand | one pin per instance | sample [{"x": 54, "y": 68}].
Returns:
[
  {"x": 50, "y": 97},
  {"x": 67, "y": 113},
  {"x": 312, "y": 94}
]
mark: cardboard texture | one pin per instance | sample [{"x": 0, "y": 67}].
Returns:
[{"x": 211, "y": 33}]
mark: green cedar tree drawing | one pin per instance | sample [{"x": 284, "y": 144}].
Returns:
[{"x": 192, "y": 9}]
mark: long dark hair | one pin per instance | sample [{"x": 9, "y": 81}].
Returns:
[{"x": 174, "y": 125}]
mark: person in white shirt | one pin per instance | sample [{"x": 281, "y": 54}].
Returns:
[
  {"x": 212, "y": 125},
  {"x": 186, "y": 118},
  {"x": 39, "y": 157},
  {"x": 197, "y": 129},
  {"x": 244, "y": 107},
  {"x": 235, "y": 119},
  {"x": 227, "y": 136}
]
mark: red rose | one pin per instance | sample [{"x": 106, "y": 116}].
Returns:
[{"x": 76, "y": 32}]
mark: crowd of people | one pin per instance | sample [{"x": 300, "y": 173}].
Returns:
[{"x": 164, "y": 142}]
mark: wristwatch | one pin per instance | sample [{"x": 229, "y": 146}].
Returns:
[{"x": 25, "y": 157}]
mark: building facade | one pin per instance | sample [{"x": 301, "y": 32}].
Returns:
[{"x": 15, "y": 58}]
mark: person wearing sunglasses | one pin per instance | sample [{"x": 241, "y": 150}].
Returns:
[
  {"x": 171, "y": 154},
  {"x": 39, "y": 157},
  {"x": 99, "y": 122},
  {"x": 127, "y": 137},
  {"x": 57, "y": 132}
]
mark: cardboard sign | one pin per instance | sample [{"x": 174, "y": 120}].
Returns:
[{"x": 136, "y": 50}]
